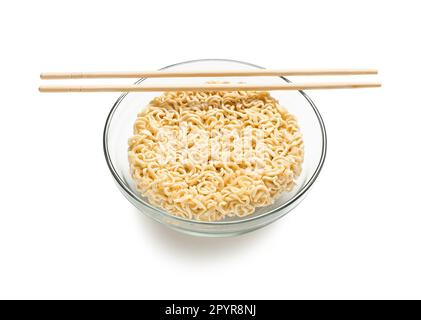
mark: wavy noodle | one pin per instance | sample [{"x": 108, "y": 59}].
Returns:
[{"x": 171, "y": 164}]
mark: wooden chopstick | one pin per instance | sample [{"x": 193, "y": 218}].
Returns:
[
  {"x": 204, "y": 73},
  {"x": 207, "y": 87}
]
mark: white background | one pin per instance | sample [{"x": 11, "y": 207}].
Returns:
[{"x": 67, "y": 232}]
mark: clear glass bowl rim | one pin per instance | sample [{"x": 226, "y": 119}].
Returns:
[{"x": 134, "y": 197}]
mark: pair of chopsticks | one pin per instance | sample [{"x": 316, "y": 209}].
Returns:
[{"x": 207, "y": 86}]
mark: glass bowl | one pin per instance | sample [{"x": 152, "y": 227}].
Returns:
[{"x": 119, "y": 127}]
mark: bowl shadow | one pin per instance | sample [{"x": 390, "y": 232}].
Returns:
[{"x": 206, "y": 248}]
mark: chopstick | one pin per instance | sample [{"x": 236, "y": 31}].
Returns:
[
  {"x": 208, "y": 87},
  {"x": 205, "y": 73}
]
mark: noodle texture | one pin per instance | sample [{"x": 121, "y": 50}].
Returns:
[{"x": 212, "y": 155}]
